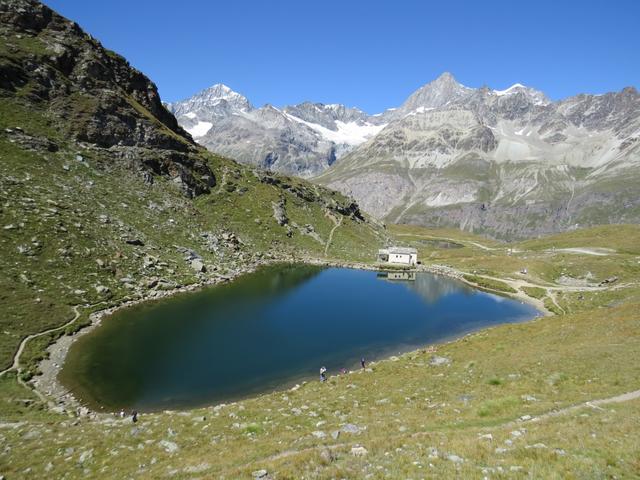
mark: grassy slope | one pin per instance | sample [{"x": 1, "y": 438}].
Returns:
[{"x": 406, "y": 406}]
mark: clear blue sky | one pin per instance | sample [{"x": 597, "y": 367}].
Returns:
[{"x": 367, "y": 53}]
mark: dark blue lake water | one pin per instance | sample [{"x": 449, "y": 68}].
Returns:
[{"x": 268, "y": 330}]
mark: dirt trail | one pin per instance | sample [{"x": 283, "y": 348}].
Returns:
[
  {"x": 330, "y": 239},
  {"x": 16, "y": 358},
  {"x": 595, "y": 404}
]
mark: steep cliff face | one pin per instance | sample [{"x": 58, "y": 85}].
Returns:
[
  {"x": 92, "y": 95},
  {"x": 66, "y": 62}
]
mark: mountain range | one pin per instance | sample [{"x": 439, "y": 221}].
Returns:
[
  {"x": 302, "y": 139},
  {"x": 509, "y": 163}
]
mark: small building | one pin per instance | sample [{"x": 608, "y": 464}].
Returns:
[{"x": 398, "y": 255}]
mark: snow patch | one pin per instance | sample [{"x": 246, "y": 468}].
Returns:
[
  {"x": 419, "y": 110},
  {"x": 512, "y": 89},
  {"x": 190, "y": 115},
  {"x": 200, "y": 129},
  {"x": 350, "y": 133}
]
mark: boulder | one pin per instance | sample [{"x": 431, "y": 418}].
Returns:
[
  {"x": 198, "y": 265},
  {"x": 350, "y": 428},
  {"x": 135, "y": 241},
  {"x": 279, "y": 212}
]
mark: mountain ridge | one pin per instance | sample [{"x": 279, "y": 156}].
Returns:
[{"x": 479, "y": 157}]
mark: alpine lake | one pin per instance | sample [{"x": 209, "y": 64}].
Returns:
[{"x": 267, "y": 331}]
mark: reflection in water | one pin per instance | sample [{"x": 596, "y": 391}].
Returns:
[
  {"x": 266, "y": 329},
  {"x": 397, "y": 275},
  {"x": 430, "y": 287}
]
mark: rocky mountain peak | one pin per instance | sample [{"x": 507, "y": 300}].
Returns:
[
  {"x": 220, "y": 91},
  {"x": 216, "y": 101},
  {"x": 442, "y": 91}
]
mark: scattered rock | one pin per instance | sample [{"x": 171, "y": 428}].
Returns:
[
  {"x": 102, "y": 290},
  {"x": 437, "y": 361},
  {"x": 319, "y": 434},
  {"x": 359, "y": 451},
  {"x": 350, "y": 428},
  {"x": 85, "y": 456},
  {"x": 455, "y": 459},
  {"x": 259, "y": 473},
  {"x": 167, "y": 446},
  {"x": 486, "y": 436},
  {"x": 202, "y": 467},
  {"x": 536, "y": 446}
]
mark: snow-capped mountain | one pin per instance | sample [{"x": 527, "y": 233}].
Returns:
[
  {"x": 301, "y": 139},
  {"x": 480, "y": 158},
  {"x": 449, "y": 155}
]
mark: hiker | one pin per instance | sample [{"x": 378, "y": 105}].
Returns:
[
  {"x": 363, "y": 363},
  {"x": 134, "y": 416},
  {"x": 323, "y": 376}
]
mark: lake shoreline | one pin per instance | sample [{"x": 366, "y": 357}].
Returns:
[{"x": 62, "y": 400}]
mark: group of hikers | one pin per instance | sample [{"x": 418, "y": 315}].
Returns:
[{"x": 323, "y": 370}]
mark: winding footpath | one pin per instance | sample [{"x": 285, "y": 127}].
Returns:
[
  {"x": 16, "y": 358},
  {"x": 330, "y": 239}
]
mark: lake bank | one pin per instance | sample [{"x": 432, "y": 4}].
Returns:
[{"x": 347, "y": 293}]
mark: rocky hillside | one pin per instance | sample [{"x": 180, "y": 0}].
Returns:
[
  {"x": 302, "y": 139},
  {"x": 508, "y": 163},
  {"x": 104, "y": 197}
]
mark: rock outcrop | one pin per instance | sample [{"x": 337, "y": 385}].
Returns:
[{"x": 93, "y": 95}]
